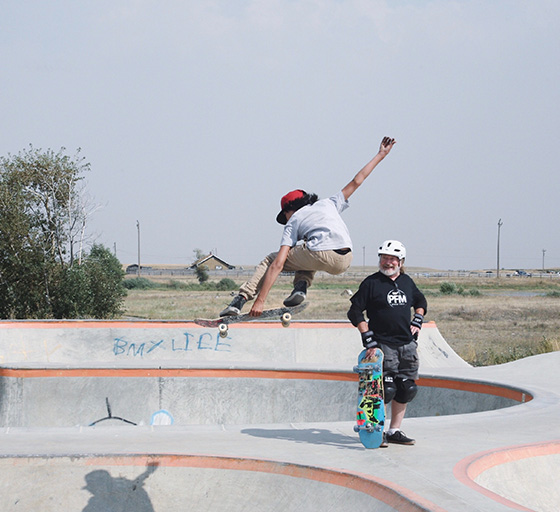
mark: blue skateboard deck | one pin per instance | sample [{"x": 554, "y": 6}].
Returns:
[{"x": 370, "y": 417}]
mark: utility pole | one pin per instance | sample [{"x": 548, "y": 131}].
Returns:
[
  {"x": 543, "y": 251},
  {"x": 138, "y": 228},
  {"x": 498, "y": 250}
]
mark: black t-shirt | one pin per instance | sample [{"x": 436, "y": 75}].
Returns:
[{"x": 387, "y": 304}]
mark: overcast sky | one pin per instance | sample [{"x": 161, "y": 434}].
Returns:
[{"x": 197, "y": 116}]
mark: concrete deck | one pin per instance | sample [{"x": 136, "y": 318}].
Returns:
[{"x": 166, "y": 415}]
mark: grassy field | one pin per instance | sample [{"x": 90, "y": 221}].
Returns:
[{"x": 486, "y": 321}]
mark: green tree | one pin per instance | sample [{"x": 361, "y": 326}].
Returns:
[
  {"x": 43, "y": 217},
  {"x": 201, "y": 271}
]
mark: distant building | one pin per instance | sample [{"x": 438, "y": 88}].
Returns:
[
  {"x": 212, "y": 262},
  {"x": 133, "y": 269}
]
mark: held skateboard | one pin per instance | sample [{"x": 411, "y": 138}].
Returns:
[
  {"x": 284, "y": 314},
  {"x": 370, "y": 418}
]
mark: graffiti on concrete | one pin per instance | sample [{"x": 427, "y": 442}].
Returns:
[
  {"x": 110, "y": 416},
  {"x": 191, "y": 343},
  {"x": 162, "y": 417}
]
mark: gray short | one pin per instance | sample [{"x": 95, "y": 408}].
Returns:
[{"x": 400, "y": 360}]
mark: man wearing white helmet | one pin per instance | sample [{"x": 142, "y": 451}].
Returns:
[{"x": 387, "y": 298}]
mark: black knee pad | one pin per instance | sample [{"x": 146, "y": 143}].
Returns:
[
  {"x": 389, "y": 388},
  {"x": 406, "y": 390}
]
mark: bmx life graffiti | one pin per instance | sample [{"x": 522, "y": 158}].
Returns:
[{"x": 123, "y": 347}]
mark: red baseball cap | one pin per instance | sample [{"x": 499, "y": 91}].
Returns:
[{"x": 286, "y": 200}]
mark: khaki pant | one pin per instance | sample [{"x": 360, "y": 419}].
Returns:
[{"x": 303, "y": 262}]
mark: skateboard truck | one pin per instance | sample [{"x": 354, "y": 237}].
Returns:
[
  {"x": 285, "y": 315},
  {"x": 369, "y": 427},
  {"x": 286, "y": 318}
]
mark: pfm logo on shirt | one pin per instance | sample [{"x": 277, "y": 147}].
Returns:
[{"x": 396, "y": 298}]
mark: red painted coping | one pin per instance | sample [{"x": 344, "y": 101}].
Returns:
[
  {"x": 214, "y": 373},
  {"x": 171, "y": 324},
  {"x": 161, "y": 324},
  {"x": 476, "y": 387},
  {"x": 446, "y": 383},
  {"x": 396, "y": 496},
  {"x": 468, "y": 469}
]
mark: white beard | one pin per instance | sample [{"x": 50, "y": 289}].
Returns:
[{"x": 390, "y": 272}]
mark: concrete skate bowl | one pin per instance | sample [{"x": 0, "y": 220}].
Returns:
[
  {"x": 185, "y": 482},
  {"x": 520, "y": 477},
  {"x": 69, "y": 397},
  {"x": 115, "y": 374}
]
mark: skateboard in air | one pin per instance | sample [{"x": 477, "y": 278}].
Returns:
[
  {"x": 222, "y": 323},
  {"x": 370, "y": 417}
]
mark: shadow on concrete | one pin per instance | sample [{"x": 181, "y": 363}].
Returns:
[
  {"x": 310, "y": 436},
  {"x": 109, "y": 493}
]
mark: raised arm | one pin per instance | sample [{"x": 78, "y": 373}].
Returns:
[{"x": 386, "y": 145}]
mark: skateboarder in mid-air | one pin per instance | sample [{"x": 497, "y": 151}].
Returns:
[
  {"x": 387, "y": 297},
  {"x": 315, "y": 238}
]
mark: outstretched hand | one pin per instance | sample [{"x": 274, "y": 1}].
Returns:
[{"x": 386, "y": 145}]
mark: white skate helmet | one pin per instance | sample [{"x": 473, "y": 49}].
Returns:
[{"x": 392, "y": 248}]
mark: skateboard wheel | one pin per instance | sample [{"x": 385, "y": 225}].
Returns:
[
  {"x": 356, "y": 428},
  {"x": 286, "y": 319},
  {"x": 223, "y": 330},
  {"x": 356, "y": 369}
]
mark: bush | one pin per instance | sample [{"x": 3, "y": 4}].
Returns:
[
  {"x": 176, "y": 285},
  {"x": 447, "y": 288},
  {"x": 138, "y": 283},
  {"x": 105, "y": 278},
  {"x": 71, "y": 299},
  {"x": 93, "y": 289},
  {"x": 226, "y": 284}
]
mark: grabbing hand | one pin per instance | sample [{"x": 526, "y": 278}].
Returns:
[
  {"x": 370, "y": 353},
  {"x": 258, "y": 308}
]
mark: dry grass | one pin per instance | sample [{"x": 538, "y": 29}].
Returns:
[
  {"x": 505, "y": 322},
  {"x": 495, "y": 329}
]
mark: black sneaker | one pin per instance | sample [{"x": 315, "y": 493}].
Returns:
[
  {"x": 297, "y": 296},
  {"x": 384, "y": 443},
  {"x": 235, "y": 306},
  {"x": 399, "y": 437}
]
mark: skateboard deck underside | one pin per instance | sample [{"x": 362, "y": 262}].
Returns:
[{"x": 246, "y": 317}]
